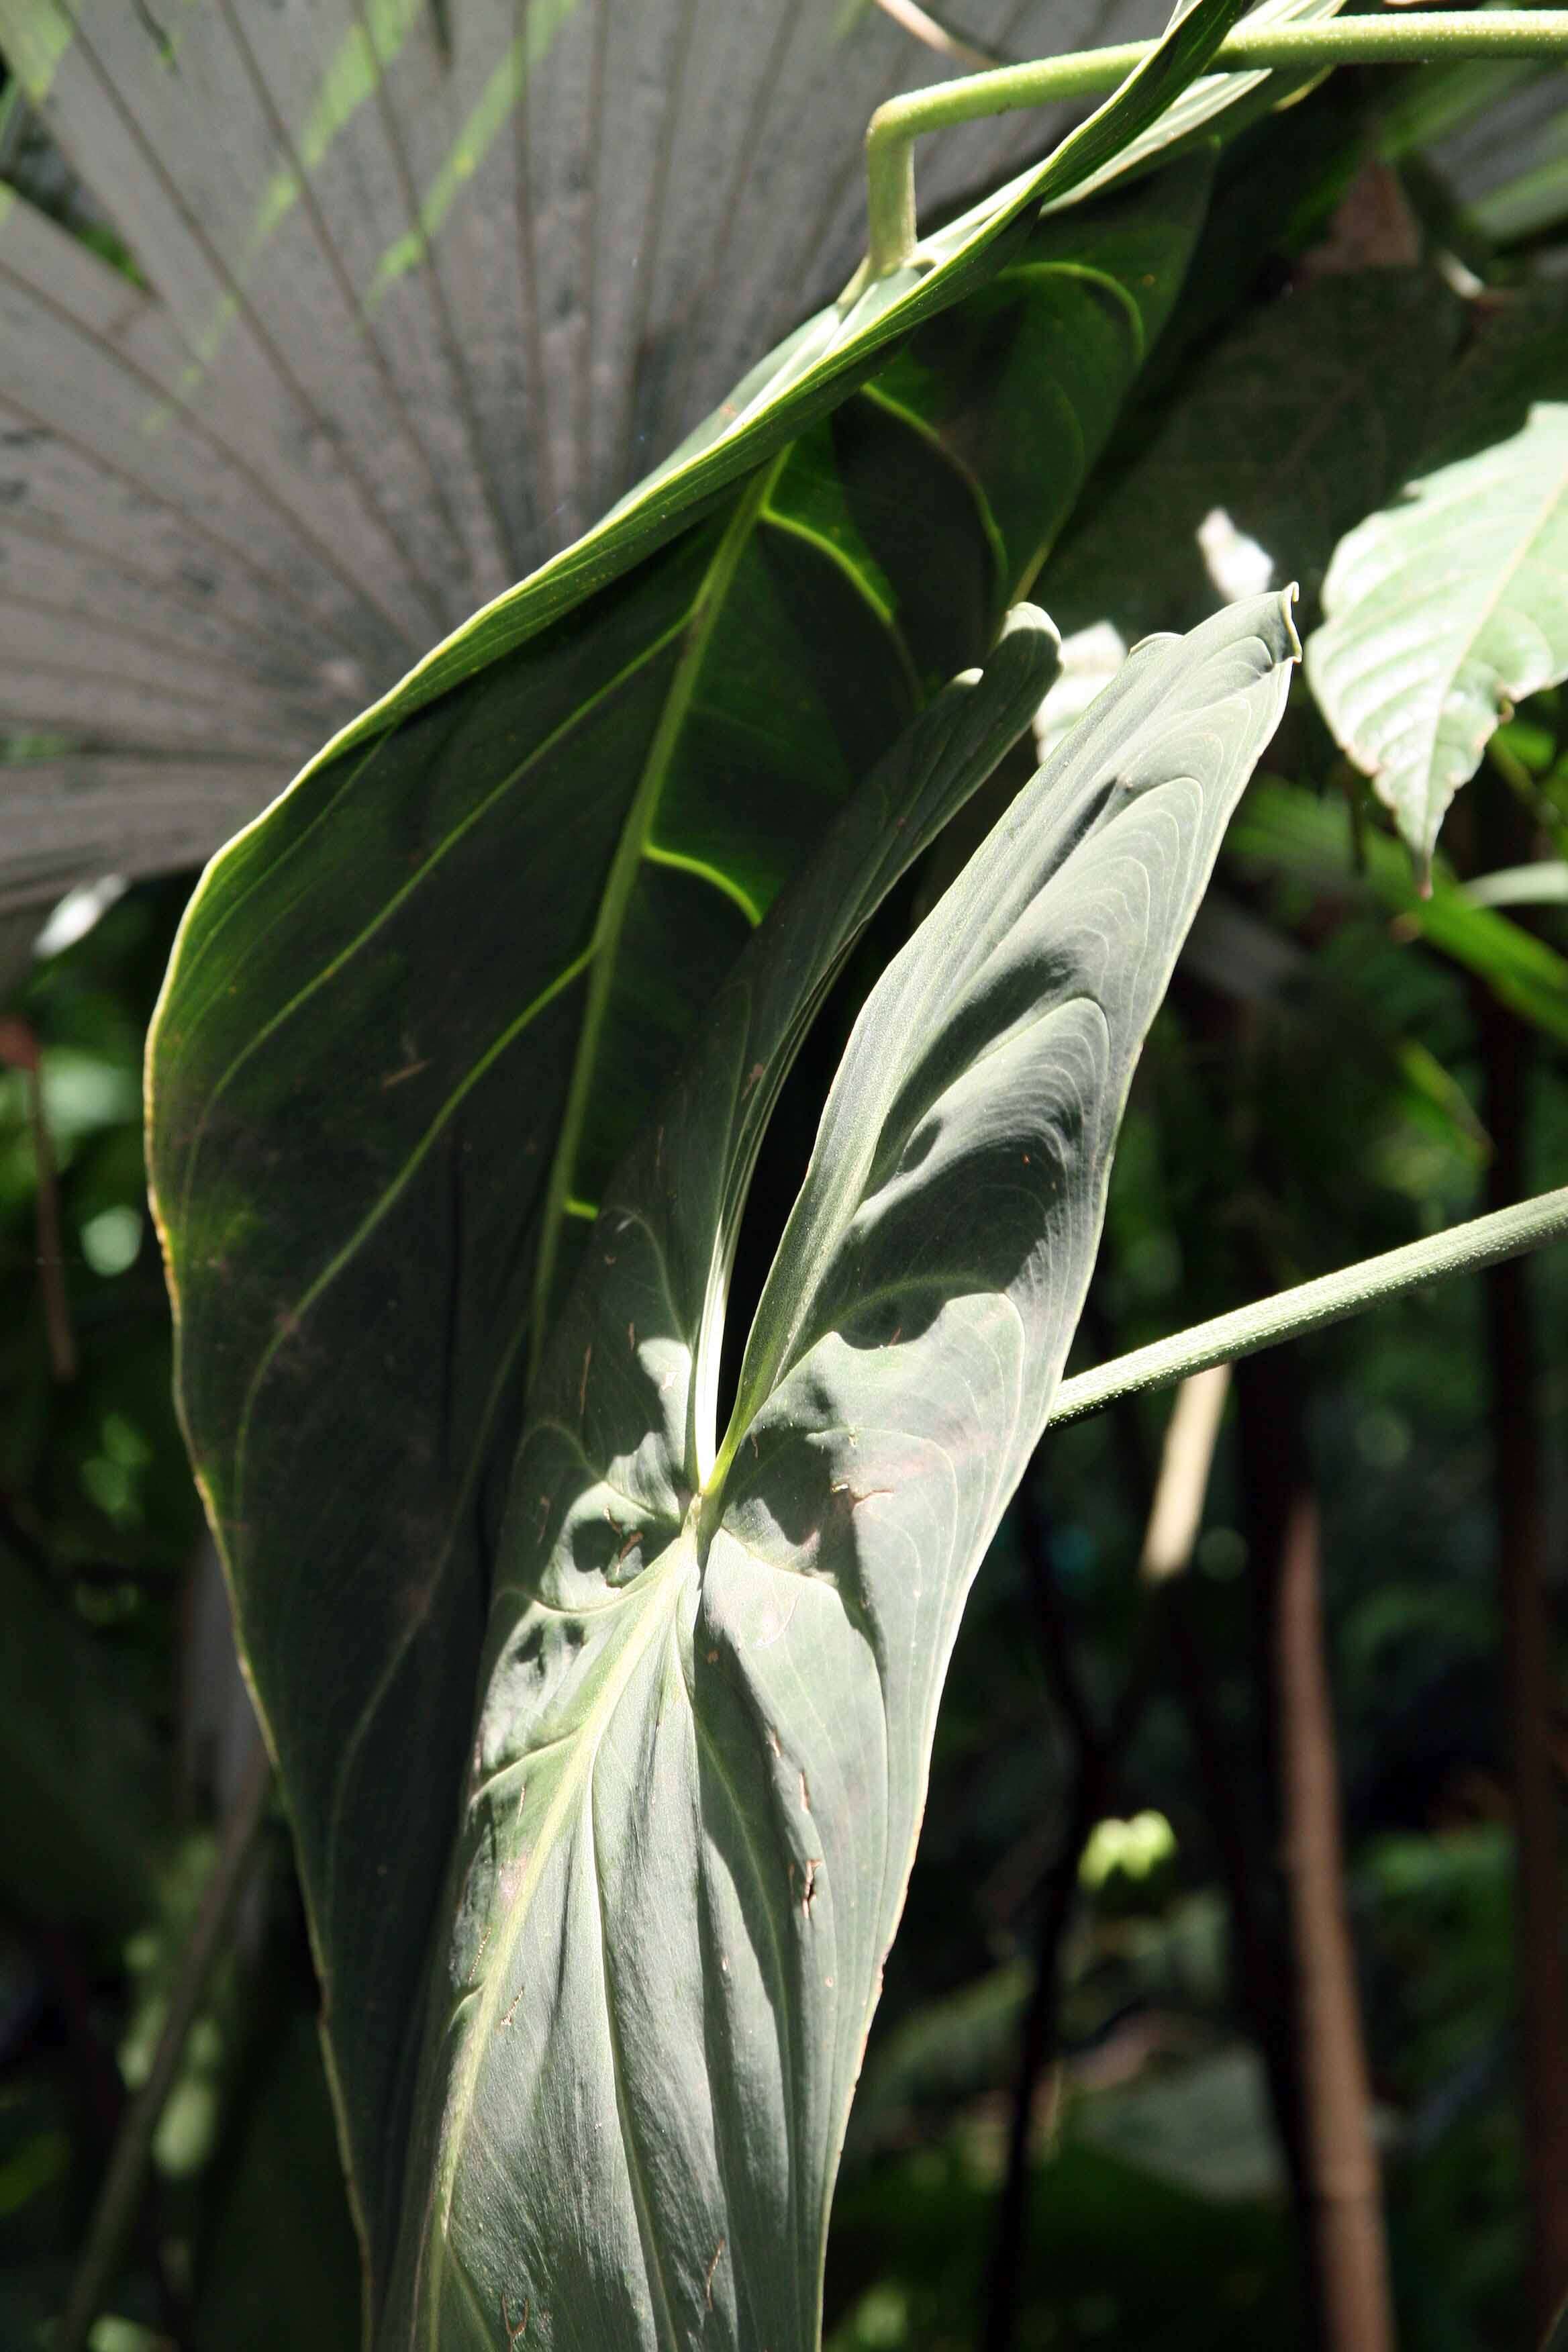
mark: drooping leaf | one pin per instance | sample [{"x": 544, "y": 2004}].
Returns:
[
  {"x": 411, "y": 292},
  {"x": 713, "y": 1660},
  {"x": 1451, "y": 604},
  {"x": 416, "y": 1014},
  {"x": 1344, "y": 370}
]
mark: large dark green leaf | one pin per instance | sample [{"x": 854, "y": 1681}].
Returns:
[
  {"x": 1450, "y": 605},
  {"x": 714, "y": 1657},
  {"x": 417, "y": 1013}
]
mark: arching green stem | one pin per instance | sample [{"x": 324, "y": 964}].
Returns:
[
  {"x": 1296, "y": 49},
  {"x": 1463, "y": 1249}
]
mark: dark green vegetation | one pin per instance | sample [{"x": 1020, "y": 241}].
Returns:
[{"x": 591, "y": 2063}]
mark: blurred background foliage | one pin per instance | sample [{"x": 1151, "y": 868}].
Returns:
[{"x": 1314, "y": 1092}]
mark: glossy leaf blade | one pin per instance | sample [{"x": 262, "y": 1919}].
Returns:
[
  {"x": 712, "y": 1672},
  {"x": 1451, "y": 605},
  {"x": 416, "y": 1013}
]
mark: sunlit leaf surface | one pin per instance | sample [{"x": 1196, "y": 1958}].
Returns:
[
  {"x": 1451, "y": 605},
  {"x": 714, "y": 1658},
  {"x": 416, "y": 1013}
]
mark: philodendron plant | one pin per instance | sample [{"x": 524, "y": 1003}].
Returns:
[{"x": 602, "y": 1701}]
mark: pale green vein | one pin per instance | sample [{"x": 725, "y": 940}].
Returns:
[
  {"x": 485, "y": 1789},
  {"x": 601, "y": 1478},
  {"x": 861, "y": 579},
  {"x": 1121, "y": 295},
  {"x": 1027, "y": 573},
  {"x": 190, "y": 957},
  {"x": 661, "y": 1593},
  {"x": 413, "y": 1624},
  {"x": 927, "y": 432},
  {"x": 707, "y": 610},
  {"x": 289, "y": 1322},
  {"x": 784, "y": 2007},
  {"x": 481, "y": 2318},
  {"x": 385, "y": 912},
  {"x": 702, "y": 1388},
  {"x": 862, "y": 583},
  {"x": 680, "y": 862},
  {"x": 664, "y": 2318}
]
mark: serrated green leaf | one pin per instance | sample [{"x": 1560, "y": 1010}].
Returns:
[
  {"x": 713, "y": 1665},
  {"x": 417, "y": 1013},
  {"x": 1449, "y": 605}
]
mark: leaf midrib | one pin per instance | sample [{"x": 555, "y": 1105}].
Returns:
[
  {"x": 708, "y": 608},
  {"x": 661, "y": 1593}
]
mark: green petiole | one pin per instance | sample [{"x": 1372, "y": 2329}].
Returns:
[
  {"x": 1298, "y": 48},
  {"x": 1463, "y": 1249}
]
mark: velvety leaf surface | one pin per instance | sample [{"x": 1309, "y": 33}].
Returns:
[
  {"x": 712, "y": 1665},
  {"x": 410, "y": 291},
  {"x": 416, "y": 1013},
  {"x": 1451, "y": 605},
  {"x": 1344, "y": 369}
]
